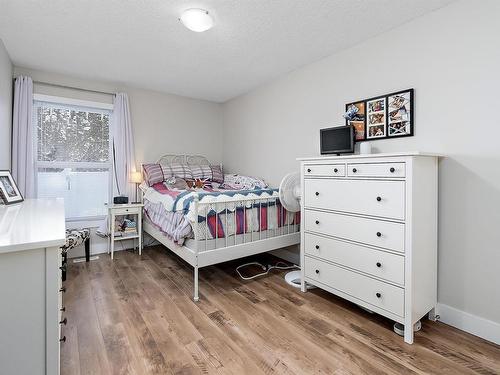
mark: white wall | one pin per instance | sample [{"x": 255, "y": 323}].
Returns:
[
  {"x": 162, "y": 123},
  {"x": 451, "y": 58},
  {"x": 6, "y": 69}
]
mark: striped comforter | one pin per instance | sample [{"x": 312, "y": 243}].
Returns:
[{"x": 172, "y": 211}]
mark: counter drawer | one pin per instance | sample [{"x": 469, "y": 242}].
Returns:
[
  {"x": 367, "y": 197},
  {"x": 376, "y": 170},
  {"x": 385, "y": 296},
  {"x": 380, "y": 233},
  {"x": 330, "y": 170},
  {"x": 387, "y": 266}
]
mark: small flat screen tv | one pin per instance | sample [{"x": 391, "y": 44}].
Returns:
[{"x": 337, "y": 140}]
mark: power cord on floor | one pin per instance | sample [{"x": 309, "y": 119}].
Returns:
[{"x": 277, "y": 266}]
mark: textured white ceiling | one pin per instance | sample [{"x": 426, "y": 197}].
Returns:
[{"x": 142, "y": 43}]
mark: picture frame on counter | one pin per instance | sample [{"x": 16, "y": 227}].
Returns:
[{"x": 9, "y": 192}]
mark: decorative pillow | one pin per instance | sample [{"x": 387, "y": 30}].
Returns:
[
  {"x": 202, "y": 172},
  {"x": 217, "y": 175},
  {"x": 181, "y": 171},
  {"x": 152, "y": 173}
]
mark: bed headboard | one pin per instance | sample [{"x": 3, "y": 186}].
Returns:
[{"x": 183, "y": 159}]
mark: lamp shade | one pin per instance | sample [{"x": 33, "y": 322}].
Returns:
[{"x": 136, "y": 177}]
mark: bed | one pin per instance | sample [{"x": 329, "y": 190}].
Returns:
[{"x": 214, "y": 225}]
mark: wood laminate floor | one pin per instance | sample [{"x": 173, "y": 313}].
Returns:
[{"x": 135, "y": 315}]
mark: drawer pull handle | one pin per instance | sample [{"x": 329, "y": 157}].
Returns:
[
  {"x": 317, "y": 222},
  {"x": 62, "y": 309},
  {"x": 317, "y": 193},
  {"x": 378, "y": 295},
  {"x": 63, "y": 289},
  {"x": 335, "y": 170},
  {"x": 379, "y": 264},
  {"x": 392, "y": 170},
  {"x": 63, "y": 339},
  {"x": 309, "y": 170},
  {"x": 379, "y": 199},
  {"x": 64, "y": 321},
  {"x": 354, "y": 170},
  {"x": 317, "y": 247},
  {"x": 379, "y": 234},
  {"x": 317, "y": 271}
]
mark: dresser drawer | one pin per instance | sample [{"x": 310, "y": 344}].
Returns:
[
  {"x": 367, "y": 197},
  {"x": 330, "y": 170},
  {"x": 385, "y": 296},
  {"x": 387, "y": 266},
  {"x": 374, "y": 232},
  {"x": 376, "y": 170}
]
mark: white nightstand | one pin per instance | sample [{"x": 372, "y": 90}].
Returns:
[{"x": 124, "y": 210}]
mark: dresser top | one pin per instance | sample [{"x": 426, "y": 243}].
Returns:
[
  {"x": 365, "y": 156},
  {"x": 32, "y": 224}
]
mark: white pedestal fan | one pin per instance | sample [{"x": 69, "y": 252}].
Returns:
[{"x": 290, "y": 195}]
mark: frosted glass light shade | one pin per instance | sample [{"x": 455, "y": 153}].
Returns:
[
  {"x": 197, "y": 20},
  {"x": 136, "y": 177}
]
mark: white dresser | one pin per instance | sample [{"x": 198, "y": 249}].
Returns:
[
  {"x": 369, "y": 231},
  {"x": 31, "y": 234}
]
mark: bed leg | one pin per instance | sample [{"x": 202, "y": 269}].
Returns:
[{"x": 196, "y": 298}]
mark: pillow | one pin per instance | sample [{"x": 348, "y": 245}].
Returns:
[
  {"x": 181, "y": 171},
  {"x": 239, "y": 182},
  {"x": 217, "y": 175},
  {"x": 167, "y": 171},
  {"x": 152, "y": 174},
  {"x": 202, "y": 172},
  {"x": 176, "y": 183}
]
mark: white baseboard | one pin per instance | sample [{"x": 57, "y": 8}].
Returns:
[{"x": 473, "y": 324}]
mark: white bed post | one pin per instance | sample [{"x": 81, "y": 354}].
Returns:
[{"x": 196, "y": 297}]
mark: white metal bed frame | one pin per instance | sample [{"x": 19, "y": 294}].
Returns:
[{"x": 202, "y": 252}]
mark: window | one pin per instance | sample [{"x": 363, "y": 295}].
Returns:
[{"x": 73, "y": 157}]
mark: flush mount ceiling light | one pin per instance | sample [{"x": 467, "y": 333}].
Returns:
[{"x": 197, "y": 20}]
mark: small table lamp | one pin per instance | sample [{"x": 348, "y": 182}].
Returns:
[{"x": 136, "y": 178}]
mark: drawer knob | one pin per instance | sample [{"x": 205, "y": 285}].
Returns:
[
  {"x": 379, "y": 234},
  {"x": 62, "y": 309},
  {"x": 379, "y": 264},
  {"x": 378, "y": 295},
  {"x": 317, "y": 193},
  {"x": 63, "y": 339},
  {"x": 64, "y": 321},
  {"x": 335, "y": 170},
  {"x": 309, "y": 170},
  {"x": 317, "y": 222},
  {"x": 317, "y": 271},
  {"x": 392, "y": 170},
  {"x": 379, "y": 199},
  {"x": 317, "y": 247},
  {"x": 63, "y": 289},
  {"x": 354, "y": 170}
]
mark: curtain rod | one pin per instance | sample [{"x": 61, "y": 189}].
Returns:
[{"x": 73, "y": 88}]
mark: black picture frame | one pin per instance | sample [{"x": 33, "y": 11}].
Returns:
[
  {"x": 9, "y": 192},
  {"x": 387, "y": 119}
]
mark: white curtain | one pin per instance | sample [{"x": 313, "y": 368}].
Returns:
[
  {"x": 23, "y": 163},
  {"x": 123, "y": 147},
  {"x": 123, "y": 153}
]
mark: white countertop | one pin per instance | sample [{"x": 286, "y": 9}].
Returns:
[
  {"x": 357, "y": 156},
  {"x": 32, "y": 224}
]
